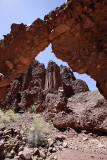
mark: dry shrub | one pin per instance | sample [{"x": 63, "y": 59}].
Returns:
[
  {"x": 37, "y": 131},
  {"x": 8, "y": 116}
]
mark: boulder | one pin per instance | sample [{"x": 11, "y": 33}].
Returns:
[
  {"x": 25, "y": 154},
  {"x": 88, "y": 113}
]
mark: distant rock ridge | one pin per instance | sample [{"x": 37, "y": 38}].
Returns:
[{"x": 36, "y": 82}]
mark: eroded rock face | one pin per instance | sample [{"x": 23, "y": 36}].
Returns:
[
  {"x": 67, "y": 103},
  {"x": 25, "y": 90},
  {"x": 88, "y": 112},
  {"x": 36, "y": 85},
  {"x": 78, "y": 33},
  {"x": 53, "y": 77}
]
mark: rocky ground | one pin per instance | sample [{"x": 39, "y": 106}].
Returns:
[
  {"x": 49, "y": 114},
  {"x": 67, "y": 145}
]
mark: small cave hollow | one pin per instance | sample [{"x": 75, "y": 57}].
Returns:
[{"x": 18, "y": 97}]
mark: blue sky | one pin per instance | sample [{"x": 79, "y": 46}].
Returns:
[{"x": 26, "y": 11}]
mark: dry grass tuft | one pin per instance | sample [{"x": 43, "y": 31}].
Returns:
[
  {"x": 37, "y": 131},
  {"x": 7, "y": 116}
]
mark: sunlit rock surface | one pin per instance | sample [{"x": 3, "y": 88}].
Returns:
[{"x": 77, "y": 31}]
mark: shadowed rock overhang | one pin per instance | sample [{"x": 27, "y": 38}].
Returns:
[{"x": 77, "y": 31}]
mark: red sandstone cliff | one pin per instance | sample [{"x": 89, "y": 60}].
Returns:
[{"x": 78, "y": 34}]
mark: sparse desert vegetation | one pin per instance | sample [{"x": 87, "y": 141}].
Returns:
[
  {"x": 7, "y": 116},
  {"x": 64, "y": 119},
  {"x": 34, "y": 108},
  {"x": 37, "y": 131}
]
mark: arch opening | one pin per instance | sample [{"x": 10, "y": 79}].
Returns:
[{"x": 47, "y": 55}]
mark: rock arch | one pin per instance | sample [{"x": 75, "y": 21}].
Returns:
[{"x": 77, "y": 31}]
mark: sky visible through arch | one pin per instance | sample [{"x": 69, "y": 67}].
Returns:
[{"x": 26, "y": 11}]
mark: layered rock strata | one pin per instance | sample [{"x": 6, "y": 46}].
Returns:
[{"x": 77, "y": 31}]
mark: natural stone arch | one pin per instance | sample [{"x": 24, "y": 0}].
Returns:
[{"x": 77, "y": 31}]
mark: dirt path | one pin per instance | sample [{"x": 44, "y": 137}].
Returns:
[
  {"x": 68, "y": 154},
  {"x": 84, "y": 147}
]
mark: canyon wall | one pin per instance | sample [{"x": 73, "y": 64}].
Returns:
[{"x": 77, "y": 31}]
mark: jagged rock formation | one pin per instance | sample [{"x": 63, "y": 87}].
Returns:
[
  {"x": 53, "y": 77},
  {"x": 78, "y": 33},
  {"x": 36, "y": 83},
  {"x": 58, "y": 96}
]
